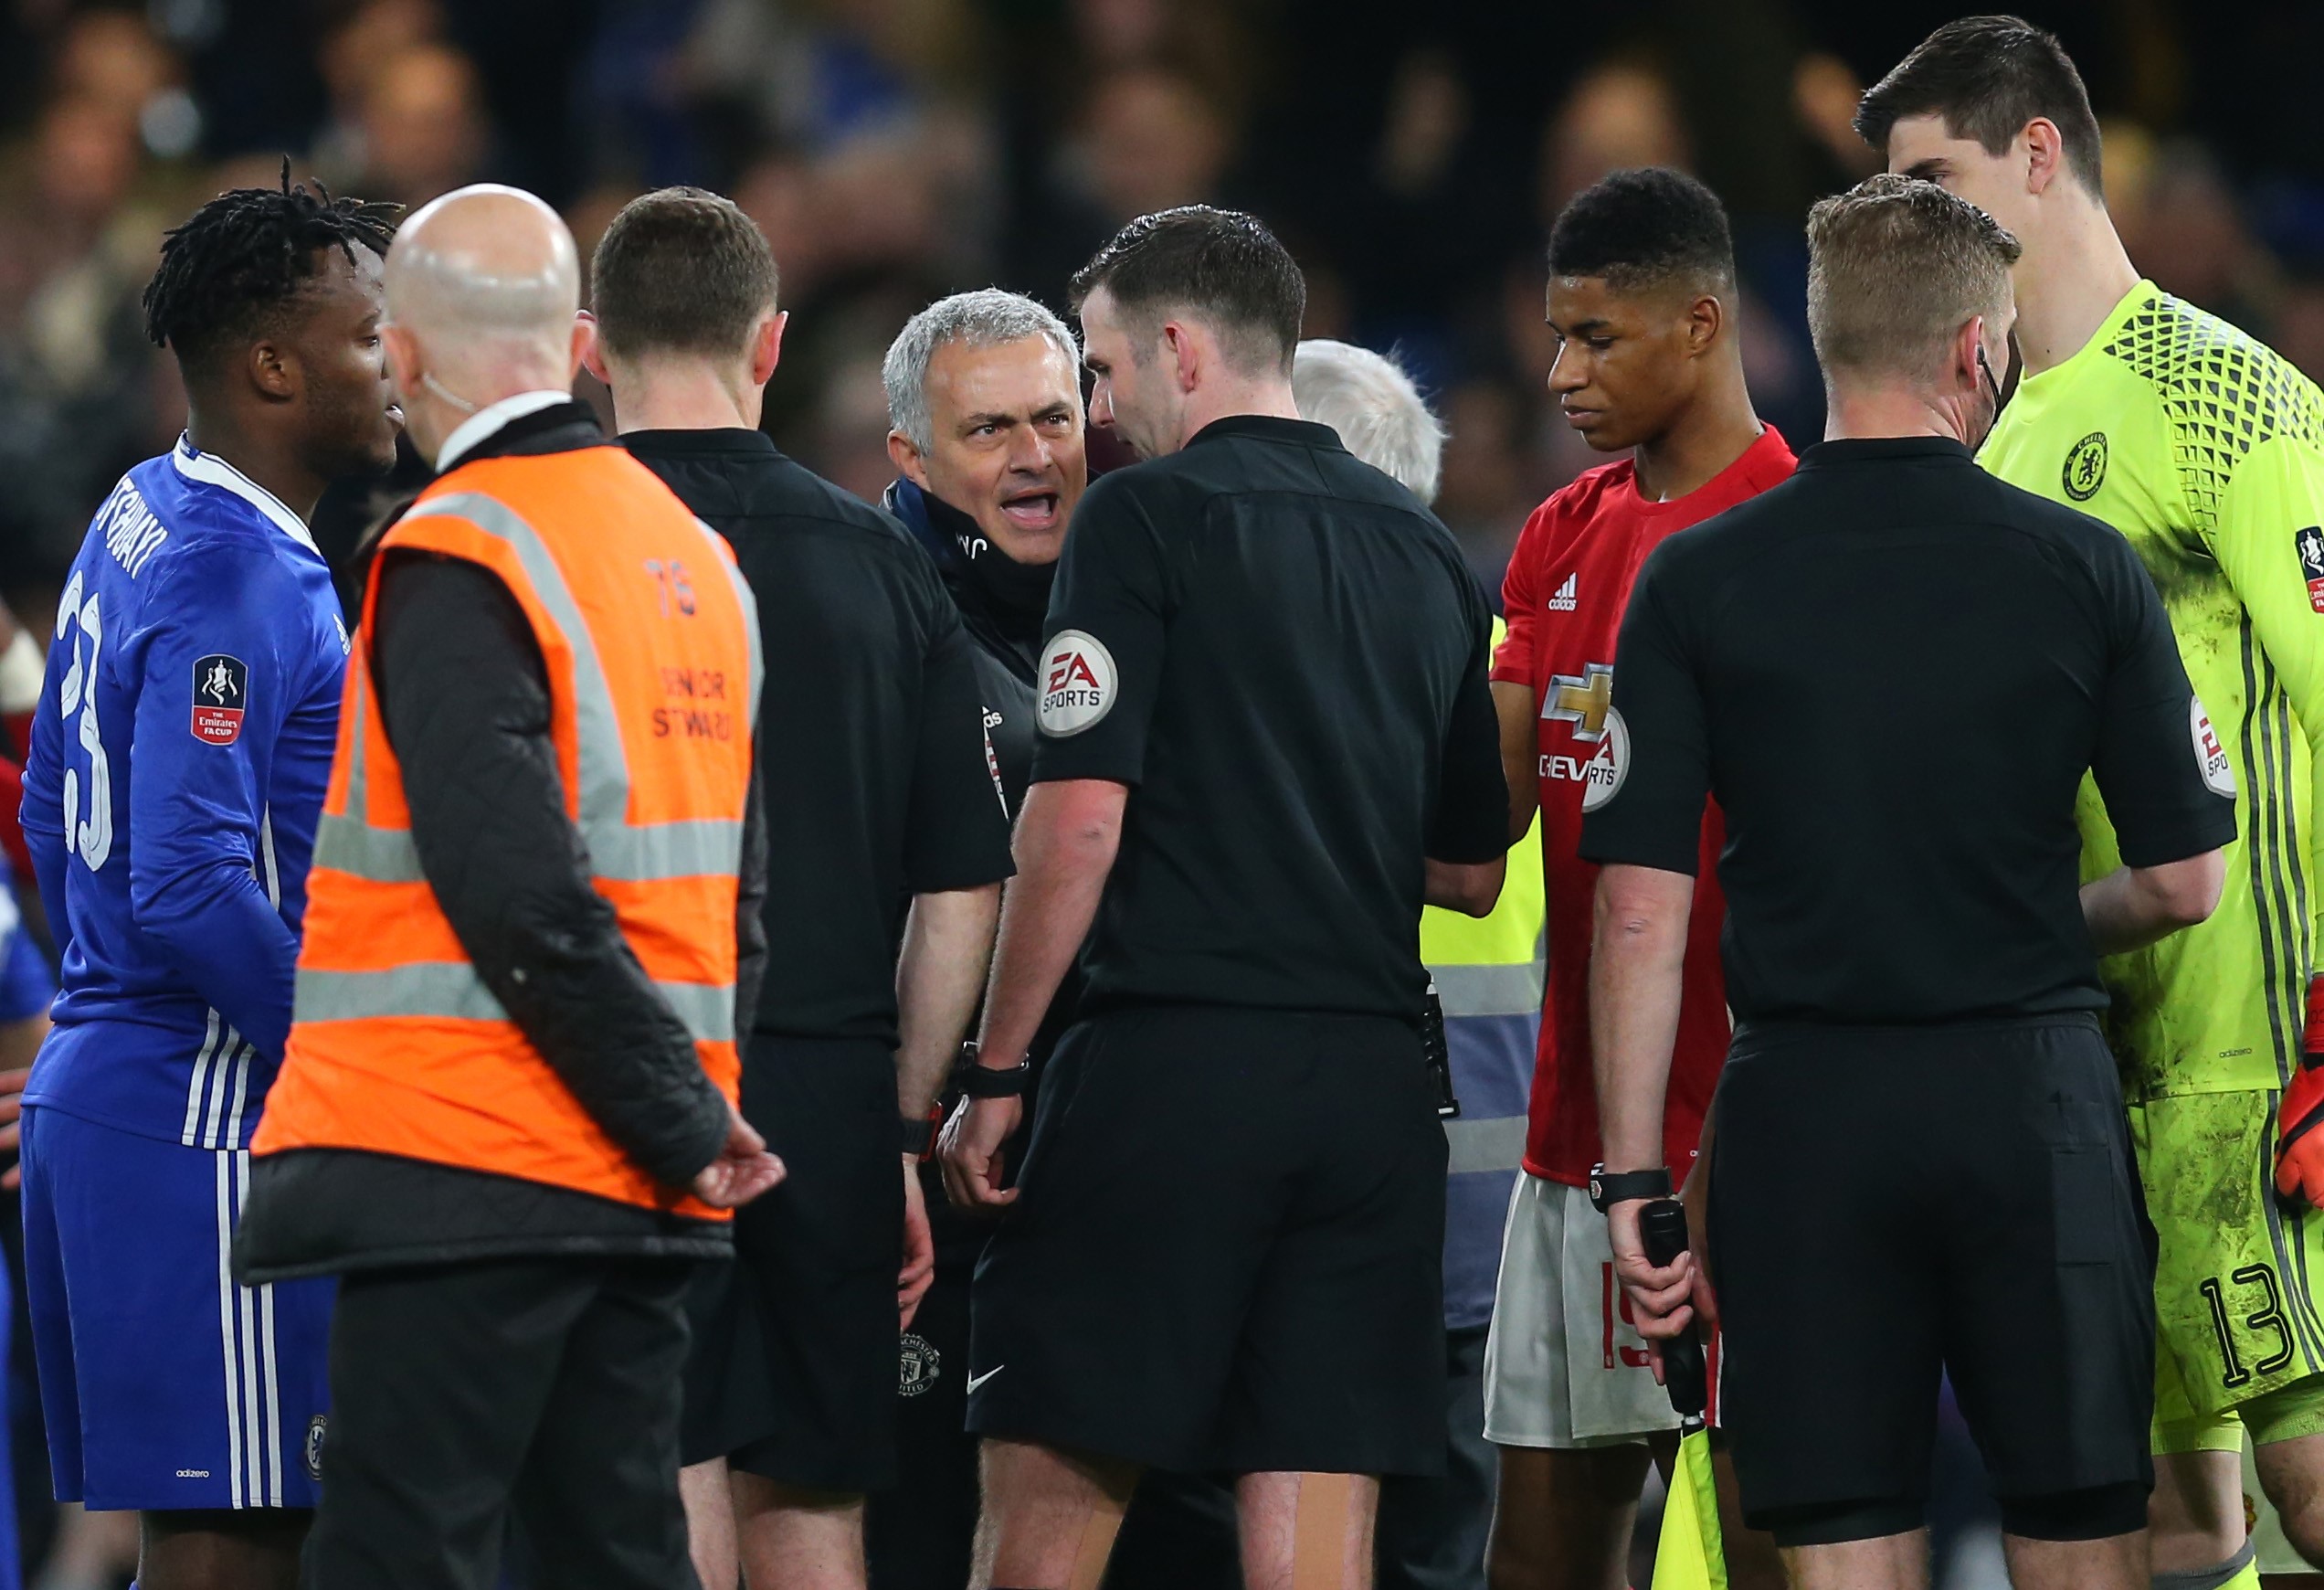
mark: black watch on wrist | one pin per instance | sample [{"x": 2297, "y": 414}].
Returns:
[
  {"x": 919, "y": 1132},
  {"x": 976, "y": 1080},
  {"x": 1621, "y": 1186}
]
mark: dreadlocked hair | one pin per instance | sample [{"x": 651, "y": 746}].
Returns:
[{"x": 242, "y": 256}]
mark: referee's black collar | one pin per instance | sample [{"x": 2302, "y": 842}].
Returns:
[
  {"x": 1268, "y": 428},
  {"x": 728, "y": 440},
  {"x": 1864, "y": 450}
]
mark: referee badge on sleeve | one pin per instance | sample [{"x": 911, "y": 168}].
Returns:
[
  {"x": 1078, "y": 683},
  {"x": 2209, "y": 755},
  {"x": 221, "y": 692}
]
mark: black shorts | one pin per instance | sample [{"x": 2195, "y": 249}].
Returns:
[
  {"x": 1887, "y": 1204},
  {"x": 1227, "y": 1252},
  {"x": 793, "y": 1372}
]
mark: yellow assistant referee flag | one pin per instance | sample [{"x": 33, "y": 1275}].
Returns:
[{"x": 1691, "y": 1555}]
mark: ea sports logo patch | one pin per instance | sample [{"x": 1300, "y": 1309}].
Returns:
[
  {"x": 1078, "y": 683},
  {"x": 221, "y": 693},
  {"x": 2209, "y": 755},
  {"x": 2086, "y": 463},
  {"x": 919, "y": 1367},
  {"x": 1602, "y": 778}
]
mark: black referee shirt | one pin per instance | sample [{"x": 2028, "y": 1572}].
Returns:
[
  {"x": 1283, "y": 655},
  {"x": 1892, "y": 671},
  {"x": 876, "y": 778}
]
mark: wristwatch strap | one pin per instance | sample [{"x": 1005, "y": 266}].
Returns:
[
  {"x": 976, "y": 1080},
  {"x": 1621, "y": 1186},
  {"x": 919, "y": 1132}
]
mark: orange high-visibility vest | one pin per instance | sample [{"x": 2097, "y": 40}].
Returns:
[{"x": 651, "y": 645}]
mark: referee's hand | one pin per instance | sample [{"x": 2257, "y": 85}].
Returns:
[
  {"x": 970, "y": 1152},
  {"x": 1662, "y": 1301}
]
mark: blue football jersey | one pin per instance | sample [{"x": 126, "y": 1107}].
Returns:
[{"x": 177, "y": 771}]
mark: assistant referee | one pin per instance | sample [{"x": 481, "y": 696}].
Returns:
[
  {"x": 1894, "y": 671},
  {"x": 1266, "y": 737}
]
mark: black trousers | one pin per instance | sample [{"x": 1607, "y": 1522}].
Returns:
[{"x": 462, "y": 1394}]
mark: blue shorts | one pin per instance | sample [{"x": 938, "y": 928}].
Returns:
[{"x": 165, "y": 1384}]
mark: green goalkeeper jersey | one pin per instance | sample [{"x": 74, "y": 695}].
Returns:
[{"x": 2206, "y": 449}]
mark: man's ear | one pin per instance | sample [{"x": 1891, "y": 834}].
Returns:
[
  {"x": 1967, "y": 344},
  {"x": 766, "y": 346},
  {"x": 403, "y": 357},
  {"x": 583, "y": 340},
  {"x": 907, "y": 459},
  {"x": 2044, "y": 155},
  {"x": 593, "y": 353},
  {"x": 1705, "y": 319},
  {"x": 274, "y": 371},
  {"x": 1185, "y": 352}
]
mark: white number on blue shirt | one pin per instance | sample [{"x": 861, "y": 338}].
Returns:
[{"x": 92, "y": 841}]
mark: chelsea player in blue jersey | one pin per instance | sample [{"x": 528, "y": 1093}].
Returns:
[{"x": 175, "y": 776}]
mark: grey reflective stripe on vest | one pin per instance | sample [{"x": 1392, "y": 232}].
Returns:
[
  {"x": 349, "y": 845},
  {"x": 619, "y": 850},
  {"x": 1489, "y": 990},
  {"x": 452, "y": 991}
]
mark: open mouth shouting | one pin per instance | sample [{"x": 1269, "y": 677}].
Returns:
[{"x": 1034, "y": 511}]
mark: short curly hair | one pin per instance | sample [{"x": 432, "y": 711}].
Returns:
[
  {"x": 1642, "y": 227},
  {"x": 240, "y": 261}
]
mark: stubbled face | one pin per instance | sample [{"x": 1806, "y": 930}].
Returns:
[
  {"x": 1624, "y": 368},
  {"x": 1005, "y": 443},
  {"x": 1921, "y": 146},
  {"x": 1135, "y": 390},
  {"x": 349, "y": 417}
]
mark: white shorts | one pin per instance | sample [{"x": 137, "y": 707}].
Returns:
[{"x": 1563, "y": 1366}]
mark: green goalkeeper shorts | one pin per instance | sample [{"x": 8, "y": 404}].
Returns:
[{"x": 2239, "y": 1335}]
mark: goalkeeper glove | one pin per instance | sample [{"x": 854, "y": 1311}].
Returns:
[{"x": 2299, "y": 1146}]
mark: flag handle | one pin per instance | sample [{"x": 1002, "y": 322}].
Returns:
[{"x": 1661, "y": 1225}]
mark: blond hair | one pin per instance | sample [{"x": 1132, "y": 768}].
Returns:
[{"x": 1895, "y": 268}]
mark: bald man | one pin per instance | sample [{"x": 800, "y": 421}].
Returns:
[{"x": 506, "y": 1118}]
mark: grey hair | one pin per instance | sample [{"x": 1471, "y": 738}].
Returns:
[
  {"x": 983, "y": 319},
  {"x": 1372, "y": 403}
]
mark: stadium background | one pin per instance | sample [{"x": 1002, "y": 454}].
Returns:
[{"x": 895, "y": 150}]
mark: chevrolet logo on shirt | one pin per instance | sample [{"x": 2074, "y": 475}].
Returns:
[{"x": 1582, "y": 700}]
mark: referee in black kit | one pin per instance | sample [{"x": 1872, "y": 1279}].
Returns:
[
  {"x": 1892, "y": 672},
  {"x": 1265, "y": 738},
  {"x": 886, "y": 801}
]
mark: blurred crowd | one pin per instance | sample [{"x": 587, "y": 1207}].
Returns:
[{"x": 895, "y": 150}]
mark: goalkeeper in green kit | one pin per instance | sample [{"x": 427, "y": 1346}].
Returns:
[{"x": 2205, "y": 449}]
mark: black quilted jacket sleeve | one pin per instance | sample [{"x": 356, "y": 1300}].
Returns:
[{"x": 465, "y": 704}]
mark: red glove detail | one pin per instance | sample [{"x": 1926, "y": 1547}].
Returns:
[{"x": 2299, "y": 1147}]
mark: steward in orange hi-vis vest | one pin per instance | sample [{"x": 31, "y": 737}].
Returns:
[{"x": 650, "y": 647}]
